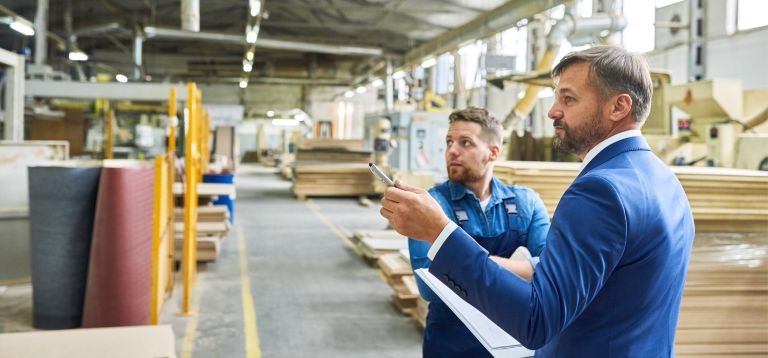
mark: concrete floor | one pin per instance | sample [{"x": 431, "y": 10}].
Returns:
[{"x": 286, "y": 285}]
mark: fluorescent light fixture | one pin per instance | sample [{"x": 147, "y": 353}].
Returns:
[
  {"x": 243, "y": 83},
  {"x": 251, "y": 34},
  {"x": 23, "y": 27},
  {"x": 285, "y": 122},
  {"x": 270, "y": 114},
  {"x": 361, "y": 89},
  {"x": 78, "y": 56},
  {"x": 255, "y": 7},
  {"x": 247, "y": 66},
  {"x": 429, "y": 62},
  {"x": 398, "y": 75},
  {"x": 349, "y": 94},
  {"x": 377, "y": 82},
  {"x": 121, "y": 78},
  {"x": 546, "y": 92},
  {"x": 249, "y": 55}
]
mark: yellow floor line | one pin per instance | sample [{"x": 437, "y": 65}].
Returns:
[
  {"x": 188, "y": 344},
  {"x": 311, "y": 205},
  {"x": 252, "y": 345}
]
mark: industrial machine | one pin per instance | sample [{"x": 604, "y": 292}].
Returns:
[
  {"x": 417, "y": 140},
  {"x": 713, "y": 131}
]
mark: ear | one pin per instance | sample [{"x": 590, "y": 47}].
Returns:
[
  {"x": 495, "y": 150},
  {"x": 619, "y": 107}
]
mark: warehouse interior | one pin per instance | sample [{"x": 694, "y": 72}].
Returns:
[{"x": 187, "y": 178}]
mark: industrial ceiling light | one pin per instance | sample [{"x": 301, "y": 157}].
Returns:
[
  {"x": 251, "y": 33},
  {"x": 429, "y": 62},
  {"x": 361, "y": 89},
  {"x": 78, "y": 56},
  {"x": 255, "y": 7},
  {"x": 243, "y": 84},
  {"x": 398, "y": 75},
  {"x": 22, "y": 26},
  {"x": 377, "y": 83},
  {"x": 247, "y": 66},
  {"x": 249, "y": 55},
  {"x": 121, "y": 78},
  {"x": 349, "y": 94},
  {"x": 270, "y": 114}
]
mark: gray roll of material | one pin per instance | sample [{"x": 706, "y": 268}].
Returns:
[
  {"x": 62, "y": 200},
  {"x": 120, "y": 272}
]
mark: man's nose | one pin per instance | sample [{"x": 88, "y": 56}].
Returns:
[{"x": 554, "y": 113}]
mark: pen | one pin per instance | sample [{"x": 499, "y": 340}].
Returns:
[{"x": 380, "y": 175}]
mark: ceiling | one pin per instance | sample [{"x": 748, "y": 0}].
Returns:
[{"x": 355, "y": 37}]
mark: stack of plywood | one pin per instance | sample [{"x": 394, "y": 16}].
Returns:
[
  {"x": 722, "y": 200},
  {"x": 332, "y": 168},
  {"x": 724, "y": 311},
  {"x": 398, "y": 274},
  {"x": 726, "y": 200},
  {"x": 212, "y": 226},
  {"x": 332, "y": 179},
  {"x": 375, "y": 243}
]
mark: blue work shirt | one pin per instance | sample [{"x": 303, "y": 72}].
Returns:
[{"x": 532, "y": 221}]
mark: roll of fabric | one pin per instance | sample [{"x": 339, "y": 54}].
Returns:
[
  {"x": 120, "y": 271},
  {"x": 62, "y": 200}
]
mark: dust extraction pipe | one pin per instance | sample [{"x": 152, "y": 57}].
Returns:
[{"x": 579, "y": 31}]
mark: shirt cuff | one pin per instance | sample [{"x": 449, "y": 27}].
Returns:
[{"x": 447, "y": 231}]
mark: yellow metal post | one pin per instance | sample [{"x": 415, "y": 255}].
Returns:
[
  {"x": 173, "y": 121},
  {"x": 192, "y": 177},
  {"x": 109, "y": 142},
  {"x": 158, "y": 228}
]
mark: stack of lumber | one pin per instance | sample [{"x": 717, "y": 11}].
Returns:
[
  {"x": 375, "y": 243},
  {"x": 726, "y": 200},
  {"x": 332, "y": 168},
  {"x": 212, "y": 227},
  {"x": 332, "y": 179},
  {"x": 422, "y": 306},
  {"x": 398, "y": 275},
  {"x": 722, "y": 200},
  {"x": 724, "y": 311}
]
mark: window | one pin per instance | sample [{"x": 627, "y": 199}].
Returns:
[
  {"x": 639, "y": 34},
  {"x": 751, "y": 14},
  {"x": 469, "y": 61},
  {"x": 514, "y": 42}
]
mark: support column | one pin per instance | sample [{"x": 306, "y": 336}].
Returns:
[
  {"x": 41, "y": 31},
  {"x": 14, "y": 95}
]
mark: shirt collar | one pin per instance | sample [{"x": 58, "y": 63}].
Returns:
[
  {"x": 608, "y": 141},
  {"x": 498, "y": 192}
]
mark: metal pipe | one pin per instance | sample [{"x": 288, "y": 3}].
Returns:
[
  {"x": 151, "y": 32},
  {"x": 98, "y": 30},
  {"x": 41, "y": 28},
  {"x": 390, "y": 88},
  {"x": 138, "y": 42},
  {"x": 190, "y": 15}
]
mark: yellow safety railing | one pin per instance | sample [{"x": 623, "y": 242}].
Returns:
[
  {"x": 193, "y": 175},
  {"x": 110, "y": 119},
  {"x": 163, "y": 231}
]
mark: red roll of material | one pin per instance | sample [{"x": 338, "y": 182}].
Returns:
[{"x": 119, "y": 283}]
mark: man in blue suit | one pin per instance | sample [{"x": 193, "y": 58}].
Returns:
[{"x": 610, "y": 280}]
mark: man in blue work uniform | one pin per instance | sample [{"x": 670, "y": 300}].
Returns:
[
  {"x": 610, "y": 281},
  {"x": 501, "y": 218}
]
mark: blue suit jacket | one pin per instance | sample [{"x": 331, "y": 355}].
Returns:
[{"x": 611, "y": 277}]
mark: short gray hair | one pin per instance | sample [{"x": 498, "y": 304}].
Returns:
[
  {"x": 490, "y": 126},
  {"x": 614, "y": 70}
]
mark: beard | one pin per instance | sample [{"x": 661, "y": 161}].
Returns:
[
  {"x": 464, "y": 174},
  {"x": 576, "y": 139}
]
